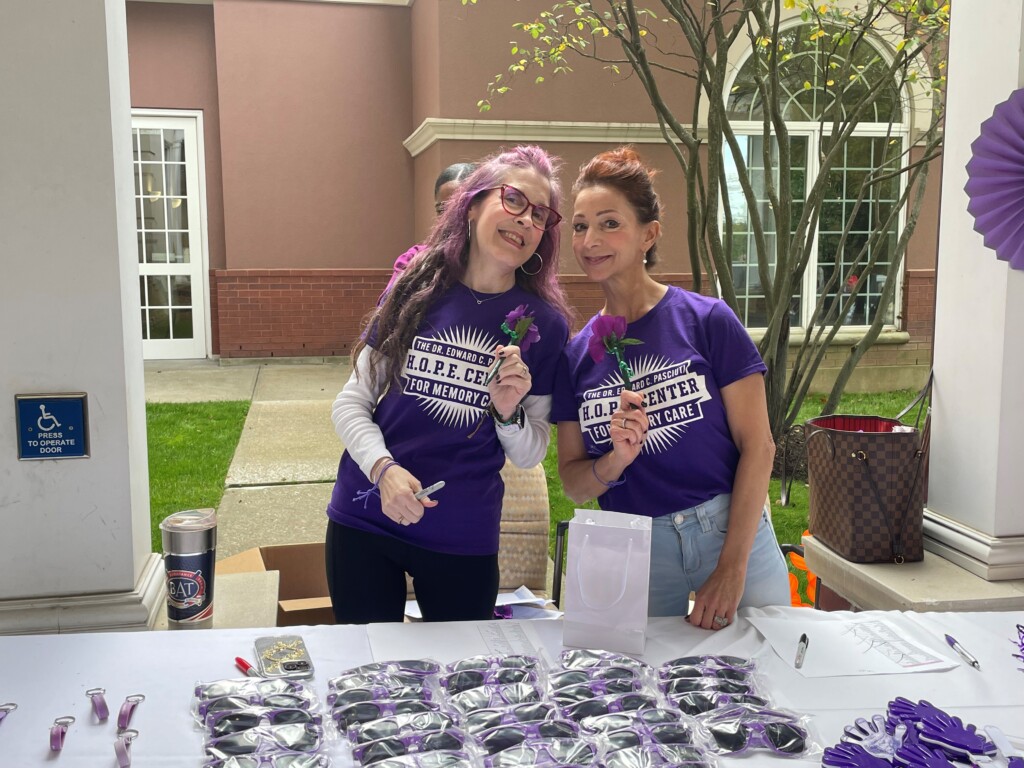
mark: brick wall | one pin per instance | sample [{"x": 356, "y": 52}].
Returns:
[{"x": 318, "y": 312}]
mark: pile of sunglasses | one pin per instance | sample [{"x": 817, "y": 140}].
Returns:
[
  {"x": 257, "y": 723},
  {"x": 699, "y": 684},
  {"x": 911, "y": 735}
]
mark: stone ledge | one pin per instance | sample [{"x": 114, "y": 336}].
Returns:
[{"x": 934, "y": 584}]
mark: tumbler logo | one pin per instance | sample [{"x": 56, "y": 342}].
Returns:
[{"x": 185, "y": 589}]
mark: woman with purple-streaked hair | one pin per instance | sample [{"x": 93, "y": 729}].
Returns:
[{"x": 443, "y": 389}]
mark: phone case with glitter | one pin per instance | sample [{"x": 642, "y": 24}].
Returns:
[{"x": 283, "y": 656}]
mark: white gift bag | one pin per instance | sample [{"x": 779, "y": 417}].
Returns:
[{"x": 607, "y": 573}]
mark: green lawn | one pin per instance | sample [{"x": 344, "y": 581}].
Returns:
[
  {"x": 190, "y": 450},
  {"x": 790, "y": 521}
]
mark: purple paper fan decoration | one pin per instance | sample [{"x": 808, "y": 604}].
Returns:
[{"x": 995, "y": 182}]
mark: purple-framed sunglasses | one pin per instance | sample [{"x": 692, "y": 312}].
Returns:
[
  {"x": 397, "y": 746},
  {"x": 531, "y": 712},
  {"x": 366, "y": 711},
  {"x": 506, "y": 736},
  {"x": 225, "y": 722}
]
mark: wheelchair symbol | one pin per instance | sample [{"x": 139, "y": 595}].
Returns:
[{"x": 46, "y": 418}]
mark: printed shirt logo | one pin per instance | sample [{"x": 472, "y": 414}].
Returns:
[
  {"x": 446, "y": 373},
  {"x": 674, "y": 398}
]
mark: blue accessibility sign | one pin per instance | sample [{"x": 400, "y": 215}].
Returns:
[{"x": 52, "y": 426}]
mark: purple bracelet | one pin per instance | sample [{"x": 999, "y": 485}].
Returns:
[
  {"x": 374, "y": 490},
  {"x": 612, "y": 484}
]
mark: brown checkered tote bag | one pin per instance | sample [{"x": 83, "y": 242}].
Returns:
[{"x": 867, "y": 487}]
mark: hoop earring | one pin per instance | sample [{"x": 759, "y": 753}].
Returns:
[{"x": 537, "y": 272}]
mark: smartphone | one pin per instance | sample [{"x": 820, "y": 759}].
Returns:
[
  {"x": 429, "y": 490},
  {"x": 283, "y": 656}
]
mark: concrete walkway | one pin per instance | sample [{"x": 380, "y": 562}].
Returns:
[{"x": 283, "y": 471}]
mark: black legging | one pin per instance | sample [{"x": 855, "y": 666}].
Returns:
[{"x": 366, "y": 577}]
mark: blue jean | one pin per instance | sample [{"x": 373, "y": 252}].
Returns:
[{"x": 684, "y": 551}]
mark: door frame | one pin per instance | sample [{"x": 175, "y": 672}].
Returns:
[{"x": 204, "y": 243}]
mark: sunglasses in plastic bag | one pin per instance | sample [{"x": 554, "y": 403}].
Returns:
[
  {"x": 272, "y": 760},
  {"x": 722, "y": 673},
  {"x": 466, "y": 679},
  {"x": 378, "y": 693},
  {"x": 732, "y": 737},
  {"x": 584, "y": 658},
  {"x": 512, "y": 661},
  {"x": 603, "y": 705},
  {"x": 543, "y": 752},
  {"x": 437, "y": 759},
  {"x": 709, "y": 684},
  {"x": 230, "y": 703},
  {"x": 619, "y": 720},
  {"x": 235, "y": 721},
  {"x": 483, "y": 719},
  {"x": 418, "y": 667},
  {"x": 296, "y": 737},
  {"x": 505, "y": 736},
  {"x": 699, "y": 702},
  {"x": 351, "y": 680},
  {"x": 247, "y": 687},
  {"x": 712, "y": 661},
  {"x": 412, "y": 743},
  {"x": 594, "y": 688},
  {"x": 656, "y": 756},
  {"x": 568, "y": 677},
  {"x": 349, "y": 715},
  {"x": 399, "y": 725},
  {"x": 490, "y": 696}
]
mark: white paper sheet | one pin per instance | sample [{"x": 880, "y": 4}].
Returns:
[
  {"x": 522, "y": 596},
  {"x": 851, "y": 646}
]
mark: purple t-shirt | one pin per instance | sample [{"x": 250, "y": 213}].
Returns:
[
  {"x": 427, "y": 424},
  {"x": 692, "y": 347}
]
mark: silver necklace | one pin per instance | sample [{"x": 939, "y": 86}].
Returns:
[{"x": 480, "y": 301}]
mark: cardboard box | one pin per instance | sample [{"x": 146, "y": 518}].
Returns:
[{"x": 303, "y": 596}]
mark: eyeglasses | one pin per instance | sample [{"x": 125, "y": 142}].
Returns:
[
  {"x": 606, "y": 704},
  {"x": 235, "y": 721},
  {"x": 585, "y": 658},
  {"x": 580, "y": 676},
  {"x": 516, "y": 203},
  {"x": 594, "y": 688},
  {"x": 273, "y": 760},
  {"x": 688, "y": 684},
  {"x": 506, "y": 736},
  {"x": 406, "y": 745},
  {"x": 484, "y": 719},
  {"x": 377, "y": 693},
  {"x": 545, "y": 752},
  {"x": 490, "y": 696},
  {"x": 699, "y": 702},
  {"x": 398, "y": 725},
  {"x": 294, "y": 737},
  {"x": 618, "y": 720},
  {"x": 230, "y": 703},
  {"x": 512, "y": 661},
  {"x": 655, "y": 755},
  {"x": 465, "y": 679},
  {"x": 364, "y": 711},
  {"x": 247, "y": 687},
  {"x": 722, "y": 673},
  {"x": 736, "y": 736},
  {"x": 711, "y": 660}
]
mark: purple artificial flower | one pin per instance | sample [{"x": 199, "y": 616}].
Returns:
[
  {"x": 608, "y": 335},
  {"x": 520, "y": 328}
]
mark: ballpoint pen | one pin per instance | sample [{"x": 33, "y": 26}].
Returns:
[
  {"x": 801, "y": 649},
  {"x": 955, "y": 645}
]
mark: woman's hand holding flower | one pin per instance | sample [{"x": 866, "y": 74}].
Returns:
[
  {"x": 629, "y": 425},
  {"x": 512, "y": 382},
  {"x": 397, "y": 500}
]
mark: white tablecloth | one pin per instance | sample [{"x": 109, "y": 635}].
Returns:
[{"x": 47, "y": 676}]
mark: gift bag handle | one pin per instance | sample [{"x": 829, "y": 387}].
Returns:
[{"x": 581, "y": 582}]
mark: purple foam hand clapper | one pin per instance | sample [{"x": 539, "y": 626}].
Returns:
[
  {"x": 851, "y": 755},
  {"x": 915, "y": 755},
  {"x": 873, "y": 736},
  {"x": 950, "y": 733},
  {"x": 903, "y": 710}
]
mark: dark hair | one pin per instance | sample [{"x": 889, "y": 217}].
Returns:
[
  {"x": 395, "y": 321},
  {"x": 623, "y": 169},
  {"x": 454, "y": 172}
]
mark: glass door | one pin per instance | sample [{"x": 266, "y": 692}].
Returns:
[{"x": 172, "y": 260}]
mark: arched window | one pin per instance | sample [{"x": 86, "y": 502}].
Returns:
[{"x": 808, "y": 102}]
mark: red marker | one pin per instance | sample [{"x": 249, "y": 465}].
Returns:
[{"x": 245, "y": 667}]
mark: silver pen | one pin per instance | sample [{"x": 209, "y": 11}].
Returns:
[
  {"x": 955, "y": 645},
  {"x": 801, "y": 649}
]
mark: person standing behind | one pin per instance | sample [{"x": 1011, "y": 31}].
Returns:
[
  {"x": 444, "y": 187},
  {"x": 442, "y": 391},
  {"x": 690, "y": 445}
]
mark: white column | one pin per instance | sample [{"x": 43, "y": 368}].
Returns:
[
  {"x": 75, "y": 549},
  {"x": 975, "y": 513}
]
